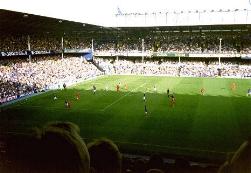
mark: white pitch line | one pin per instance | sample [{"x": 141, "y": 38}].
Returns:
[{"x": 116, "y": 101}]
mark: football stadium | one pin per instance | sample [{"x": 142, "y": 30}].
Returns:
[{"x": 150, "y": 92}]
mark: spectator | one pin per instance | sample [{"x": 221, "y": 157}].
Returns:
[
  {"x": 105, "y": 156},
  {"x": 57, "y": 148},
  {"x": 154, "y": 171},
  {"x": 156, "y": 162},
  {"x": 240, "y": 162}
]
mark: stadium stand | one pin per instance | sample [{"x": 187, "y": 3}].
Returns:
[
  {"x": 186, "y": 68},
  {"x": 20, "y": 77},
  {"x": 50, "y": 66}
]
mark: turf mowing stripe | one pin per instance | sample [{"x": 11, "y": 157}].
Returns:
[
  {"x": 48, "y": 107},
  {"x": 173, "y": 147},
  {"x": 116, "y": 101},
  {"x": 169, "y": 147},
  {"x": 86, "y": 81},
  {"x": 150, "y": 145}
]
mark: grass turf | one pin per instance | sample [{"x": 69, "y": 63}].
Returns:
[{"x": 206, "y": 126}]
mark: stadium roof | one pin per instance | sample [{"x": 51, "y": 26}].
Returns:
[{"x": 23, "y": 23}]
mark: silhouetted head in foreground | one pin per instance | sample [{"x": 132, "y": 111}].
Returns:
[
  {"x": 241, "y": 160},
  {"x": 105, "y": 156},
  {"x": 56, "y": 148}
]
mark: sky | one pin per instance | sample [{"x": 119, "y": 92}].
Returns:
[{"x": 102, "y": 12}]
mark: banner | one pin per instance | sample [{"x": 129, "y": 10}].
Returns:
[
  {"x": 245, "y": 56},
  {"x": 77, "y": 50},
  {"x": 214, "y": 55},
  {"x": 167, "y": 54},
  {"x": 13, "y": 53},
  {"x": 26, "y": 52},
  {"x": 42, "y": 52}
]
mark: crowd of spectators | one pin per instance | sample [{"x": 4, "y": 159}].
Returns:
[
  {"x": 178, "y": 43},
  {"x": 198, "y": 69},
  {"x": 174, "y": 42},
  {"x": 21, "y": 77},
  {"x": 58, "y": 148},
  {"x": 13, "y": 43},
  {"x": 43, "y": 43},
  {"x": 76, "y": 43},
  {"x": 146, "y": 68},
  {"x": 187, "y": 68},
  {"x": 235, "y": 70}
]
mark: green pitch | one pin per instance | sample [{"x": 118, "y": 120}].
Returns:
[{"x": 206, "y": 126}]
